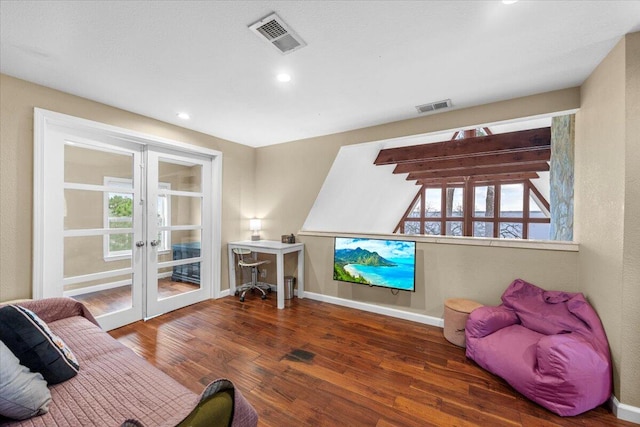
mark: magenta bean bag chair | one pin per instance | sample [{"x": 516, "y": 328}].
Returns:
[{"x": 549, "y": 345}]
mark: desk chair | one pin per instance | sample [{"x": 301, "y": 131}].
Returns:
[{"x": 245, "y": 260}]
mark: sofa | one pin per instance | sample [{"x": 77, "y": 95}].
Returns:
[
  {"x": 110, "y": 385},
  {"x": 549, "y": 345}
]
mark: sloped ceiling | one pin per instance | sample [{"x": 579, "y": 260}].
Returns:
[
  {"x": 359, "y": 197},
  {"x": 366, "y": 63}
]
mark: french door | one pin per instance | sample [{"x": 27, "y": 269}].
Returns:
[
  {"x": 176, "y": 263},
  {"x": 125, "y": 226}
]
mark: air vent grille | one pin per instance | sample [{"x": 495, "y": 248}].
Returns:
[
  {"x": 273, "y": 30},
  {"x": 433, "y": 106}
]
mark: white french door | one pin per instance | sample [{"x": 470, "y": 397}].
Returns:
[
  {"x": 177, "y": 270},
  {"x": 89, "y": 256},
  {"x": 123, "y": 226}
]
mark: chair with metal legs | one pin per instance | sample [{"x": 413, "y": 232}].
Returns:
[{"x": 246, "y": 260}]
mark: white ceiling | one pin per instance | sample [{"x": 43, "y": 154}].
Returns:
[{"x": 366, "y": 62}]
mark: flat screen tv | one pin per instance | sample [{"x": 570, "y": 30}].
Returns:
[{"x": 375, "y": 262}]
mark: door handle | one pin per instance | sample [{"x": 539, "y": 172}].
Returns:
[
  {"x": 154, "y": 242},
  {"x": 140, "y": 244}
]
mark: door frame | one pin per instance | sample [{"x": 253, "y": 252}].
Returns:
[{"x": 45, "y": 122}]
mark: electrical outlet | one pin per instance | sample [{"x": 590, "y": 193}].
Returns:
[{"x": 263, "y": 273}]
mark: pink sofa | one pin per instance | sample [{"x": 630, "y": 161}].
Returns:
[
  {"x": 549, "y": 345},
  {"x": 113, "y": 384}
]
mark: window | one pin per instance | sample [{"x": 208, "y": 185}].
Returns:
[
  {"x": 508, "y": 210},
  {"x": 118, "y": 214},
  {"x": 478, "y": 184}
]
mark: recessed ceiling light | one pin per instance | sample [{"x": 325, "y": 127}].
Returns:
[
  {"x": 509, "y": 1},
  {"x": 283, "y": 77},
  {"x": 184, "y": 116}
]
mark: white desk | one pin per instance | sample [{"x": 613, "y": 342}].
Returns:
[{"x": 270, "y": 247}]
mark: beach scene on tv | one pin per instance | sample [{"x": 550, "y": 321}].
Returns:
[{"x": 375, "y": 262}]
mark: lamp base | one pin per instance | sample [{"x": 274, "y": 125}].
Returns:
[{"x": 254, "y": 237}]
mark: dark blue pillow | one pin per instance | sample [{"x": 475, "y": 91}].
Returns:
[{"x": 33, "y": 343}]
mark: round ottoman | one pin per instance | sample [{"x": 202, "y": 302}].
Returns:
[{"x": 456, "y": 312}]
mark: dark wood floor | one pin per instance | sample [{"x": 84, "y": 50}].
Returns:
[{"x": 317, "y": 364}]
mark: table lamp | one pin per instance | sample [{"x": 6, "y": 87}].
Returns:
[{"x": 255, "y": 225}]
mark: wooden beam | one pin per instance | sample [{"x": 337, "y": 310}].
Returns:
[
  {"x": 439, "y": 182},
  {"x": 532, "y": 155},
  {"x": 505, "y": 177},
  {"x": 479, "y": 179},
  {"x": 481, "y": 170},
  {"x": 498, "y": 143}
]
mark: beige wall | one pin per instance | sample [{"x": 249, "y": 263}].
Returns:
[
  {"x": 17, "y": 100},
  {"x": 607, "y": 206},
  {"x": 289, "y": 177},
  {"x": 445, "y": 271},
  {"x": 630, "y": 383}
]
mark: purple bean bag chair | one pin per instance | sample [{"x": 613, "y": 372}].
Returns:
[{"x": 549, "y": 345}]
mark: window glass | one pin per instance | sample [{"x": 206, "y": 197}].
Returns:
[
  {"x": 454, "y": 228},
  {"x": 87, "y": 165},
  {"x": 415, "y": 211},
  {"x": 432, "y": 228},
  {"x": 119, "y": 214},
  {"x": 511, "y": 200},
  {"x": 83, "y": 209},
  {"x": 411, "y": 227},
  {"x": 164, "y": 218},
  {"x": 454, "y": 201},
  {"x": 510, "y": 230},
  {"x": 536, "y": 209},
  {"x": 433, "y": 202},
  {"x": 484, "y": 200},
  {"x": 183, "y": 177},
  {"x": 482, "y": 229}
]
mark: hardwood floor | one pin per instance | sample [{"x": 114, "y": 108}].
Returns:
[
  {"x": 317, "y": 364},
  {"x": 119, "y": 298}
]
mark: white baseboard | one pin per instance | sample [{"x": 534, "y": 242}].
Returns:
[
  {"x": 388, "y": 311},
  {"x": 625, "y": 412}
]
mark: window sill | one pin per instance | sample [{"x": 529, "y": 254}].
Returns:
[{"x": 548, "y": 245}]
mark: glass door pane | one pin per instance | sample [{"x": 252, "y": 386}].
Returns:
[
  {"x": 101, "y": 223},
  {"x": 177, "y": 272}
]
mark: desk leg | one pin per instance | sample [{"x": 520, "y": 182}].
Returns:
[
  {"x": 280, "y": 274},
  {"x": 232, "y": 272},
  {"x": 301, "y": 274}
]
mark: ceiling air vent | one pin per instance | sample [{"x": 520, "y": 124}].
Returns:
[
  {"x": 273, "y": 30},
  {"x": 433, "y": 106}
]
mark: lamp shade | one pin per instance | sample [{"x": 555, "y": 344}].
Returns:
[{"x": 255, "y": 224}]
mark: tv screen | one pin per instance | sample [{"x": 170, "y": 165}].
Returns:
[{"x": 375, "y": 262}]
